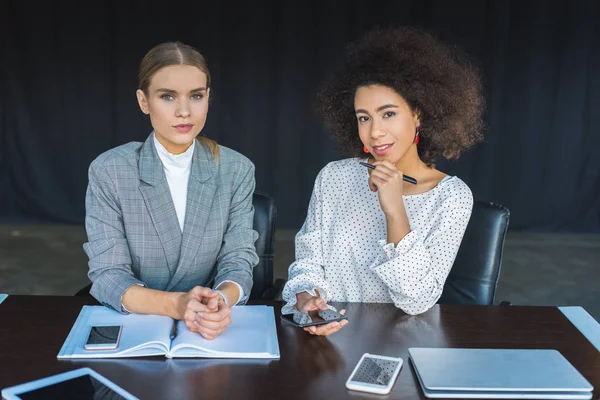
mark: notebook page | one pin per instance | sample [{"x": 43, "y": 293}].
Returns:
[
  {"x": 251, "y": 334},
  {"x": 142, "y": 335}
]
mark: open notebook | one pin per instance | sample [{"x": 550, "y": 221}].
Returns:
[{"x": 251, "y": 334}]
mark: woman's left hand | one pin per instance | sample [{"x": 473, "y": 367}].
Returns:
[
  {"x": 386, "y": 180},
  {"x": 326, "y": 329},
  {"x": 212, "y": 324}
]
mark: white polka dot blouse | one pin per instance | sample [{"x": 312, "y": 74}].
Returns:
[{"x": 342, "y": 249}]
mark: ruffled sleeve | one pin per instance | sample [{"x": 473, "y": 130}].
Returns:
[
  {"x": 415, "y": 269},
  {"x": 307, "y": 273}
]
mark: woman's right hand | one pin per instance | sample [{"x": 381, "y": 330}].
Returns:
[
  {"x": 306, "y": 302},
  {"x": 190, "y": 303}
]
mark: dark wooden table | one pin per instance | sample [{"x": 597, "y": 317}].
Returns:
[{"x": 33, "y": 328}]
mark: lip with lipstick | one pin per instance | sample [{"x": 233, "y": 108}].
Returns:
[
  {"x": 382, "y": 149},
  {"x": 183, "y": 128}
]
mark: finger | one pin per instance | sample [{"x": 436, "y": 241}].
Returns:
[
  {"x": 378, "y": 182},
  {"x": 382, "y": 169},
  {"x": 190, "y": 325},
  {"x": 207, "y": 336},
  {"x": 213, "y": 303},
  {"x": 190, "y": 316},
  {"x": 372, "y": 186},
  {"x": 195, "y": 305},
  {"x": 216, "y": 325},
  {"x": 331, "y": 326},
  {"x": 200, "y": 291},
  {"x": 216, "y": 316},
  {"x": 302, "y": 307},
  {"x": 384, "y": 175},
  {"x": 309, "y": 328},
  {"x": 208, "y": 324},
  {"x": 389, "y": 169},
  {"x": 309, "y": 305},
  {"x": 385, "y": 165},
  {"x": 335, "y": 329},
  {"x": 332, "y": 331},
  {"x": 213, "y": 331},
  {"x": 212, "y": 335},
  {"x": 320, "y": 303},
  {"x": 206, "y": 331},
  {"x": 324, "y": 329},
  {"x": 343, "y": 311}
]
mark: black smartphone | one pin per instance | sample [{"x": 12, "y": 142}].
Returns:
[
  {"x": 103, "y": 337},
  {"x": 304, "y": 319}
]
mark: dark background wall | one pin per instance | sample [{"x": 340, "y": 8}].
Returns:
[{"x": 68, "y": 80}]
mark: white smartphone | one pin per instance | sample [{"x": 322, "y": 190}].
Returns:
[
  {"x": 103, "y": 337},
  {"x": 374, "y": 374}
]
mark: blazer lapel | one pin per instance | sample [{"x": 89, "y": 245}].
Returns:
[
  {"x": 157, "y": 196},
  {"x": 200, "y": 196}
]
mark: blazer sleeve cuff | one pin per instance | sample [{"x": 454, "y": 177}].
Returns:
[
  {"x": 109, "y": 291},
  {"x": 124, "y": 309}
]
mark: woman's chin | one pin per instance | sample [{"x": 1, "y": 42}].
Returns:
[
  {"x": 182, "y": 138},
  {"x": 388, "y": 157}
]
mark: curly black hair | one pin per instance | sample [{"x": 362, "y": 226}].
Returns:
[{"x": 436, "y": 80}]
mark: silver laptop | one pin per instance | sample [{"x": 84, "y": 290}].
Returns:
[{"x": 497, "y": 374}]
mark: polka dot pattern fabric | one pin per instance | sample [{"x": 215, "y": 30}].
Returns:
[
  {"x": 342, "y": 249},
  {"x": 375, "y": 371}
]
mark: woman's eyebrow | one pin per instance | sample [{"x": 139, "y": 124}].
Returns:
[
  {"x": 163, "y": 90},
  {"x": 380, "y": 108}
]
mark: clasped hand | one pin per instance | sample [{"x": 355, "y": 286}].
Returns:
[{"x": 205, "y": 312}]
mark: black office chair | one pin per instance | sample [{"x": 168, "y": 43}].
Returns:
[
  {"x": 474, "y": 276},
  {"x": 265, "y": 216}
]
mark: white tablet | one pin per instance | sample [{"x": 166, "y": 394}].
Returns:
[{"x": 82, "y": 383}]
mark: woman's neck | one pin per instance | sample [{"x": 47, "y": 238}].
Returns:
[{"x": 411, "y": 165}]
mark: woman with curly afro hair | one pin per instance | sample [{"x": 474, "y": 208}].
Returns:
[{"x": 401, "y": 101}]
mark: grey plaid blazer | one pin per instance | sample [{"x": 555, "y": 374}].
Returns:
[{"x": 134, "y": 235}]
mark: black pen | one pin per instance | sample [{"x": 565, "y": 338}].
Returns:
[
  {"x": 406, "y": 178},
  {"x": 174, "y": 330}
]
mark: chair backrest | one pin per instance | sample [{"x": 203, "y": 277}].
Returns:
[
  {"x": 474, "y": 276},
  {"x": 265, "y": 217}
]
